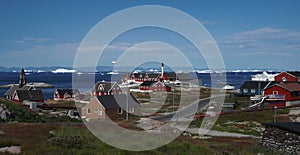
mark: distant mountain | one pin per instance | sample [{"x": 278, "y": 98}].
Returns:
[{"x": 144, "y": 68}]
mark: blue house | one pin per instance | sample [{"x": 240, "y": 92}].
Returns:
[{"x": 251, "y": 88}]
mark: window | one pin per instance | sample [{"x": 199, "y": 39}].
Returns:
[
  {"x": 131, "y": 110},
  {"x": 120, "y": 110},
  {"x": 275, "y": 92},
  {"x": 253, "y": 91},
  {"x": 284, "y": 79},
  {"x": 99, "y": 112},
  {"x": 88, "y": 110},
  {"x": 245, "y": 90},
  {"x": 100, "y": 87}
]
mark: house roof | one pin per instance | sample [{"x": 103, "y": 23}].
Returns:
[
  {"x": 288, "y": 86},
  {"x": 107, "y": 86},
  {"x": 293, "y": 127},
  {"x": 69, "y": 91},
  {"x": 255, "y": 84},
  {"x": 170, "y": 75},
  {"x": 148, "y": 83},
  {"x": 295, "y": 73},
  {"x": 117, "y": 101},
  {"x": 143, "y": 75},
  {"x": 31, "y": 95},
  {"x": 12, "y": 89}
]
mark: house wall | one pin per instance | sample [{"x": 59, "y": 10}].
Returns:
[
  {"x": 94, "y": 105},
  {"x": 277, "y": 103},
  {"x": 281, "y": 140},
  {"x": 288, "y": 95},
  {"x": 287, "y": 76},
  {"x": 115, "y": 90},
  {"x": 249, "y": 92},
  {"x": 112, "y": 114},
  {"x": 154, "y": 87}
]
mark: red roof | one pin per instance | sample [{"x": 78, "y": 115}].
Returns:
[{"x": 290, "y": 86}]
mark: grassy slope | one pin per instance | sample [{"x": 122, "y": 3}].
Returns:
[
  {"x": 35, "y": 139},
  {"x": 22, "y": 114},
  {"x": 246, "y": 122}
]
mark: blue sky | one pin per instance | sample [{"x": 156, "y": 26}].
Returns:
[{"x": 252, "y": 34}]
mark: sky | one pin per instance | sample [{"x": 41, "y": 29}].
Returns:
[{"x": 252, "y": 34}]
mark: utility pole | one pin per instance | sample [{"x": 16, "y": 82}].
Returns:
[
  {"x": 173, "y": 90},
  {"x": 275, "y": 113},
  {"x": 127, "y": 93}
]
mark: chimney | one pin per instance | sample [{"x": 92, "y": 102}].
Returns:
[{"x": 162, "y": 70}]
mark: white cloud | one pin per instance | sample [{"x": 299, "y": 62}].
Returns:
[
  {"x": 208, "y": 22},
  {"x": 37, "y": 40},
  {"x": 42, "y": 55},
  {"x": 30, "y": 41},
  {"x": 270, "y": 39}
]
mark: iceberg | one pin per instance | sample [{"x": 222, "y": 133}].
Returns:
[
  {"x": 61, "y": 70},
  {"x": 263, "y": 77}
]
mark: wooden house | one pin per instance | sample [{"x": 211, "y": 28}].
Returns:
[
  {"x": 252, "y": 88},
  {"x": 153, "y": 86},
  {"x": 141, "y": 77},
  {"x": 9, "y": 94},
  {"x": 65, "y": 93},
  {"x": 106, "y": 88},
  {"x": 283, "y": 94},
  {"x": 285, "y": 77},
  {"x": 28, "y": 95},
  {"x": 111, "y": 107}
]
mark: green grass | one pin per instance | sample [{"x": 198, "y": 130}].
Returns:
[
  {"x": 245, "y": 122},
  {"x": 76, "y": 139},
  {"x": 23, "y": 114}
]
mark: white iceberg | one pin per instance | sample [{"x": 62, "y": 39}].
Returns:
[{"x": 61, "y": 70}]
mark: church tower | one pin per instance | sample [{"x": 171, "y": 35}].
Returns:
[{"x": 22, "y": 81}]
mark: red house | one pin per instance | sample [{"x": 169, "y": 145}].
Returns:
[
  {"x": 285, "y": 77},
  {"x": 154, "y": 86},
  {"x": 141, "y": 77},
  {"x": 28, "y": 95},
  {"x": 283, "y": 94},
  {"x": 106, "y": 88},
  {"x": 65, "y": 93}
]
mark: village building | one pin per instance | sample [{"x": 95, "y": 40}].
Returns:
[
  {"x": 11, "y": 92},
  {"x": 65, "y": 93},
  {"x": 106, "y": 88},
  {"x": 283, "y": 94},
  {"x": 141, "y": 77},
  {"x": 154, "y": 86},
  {"x": 251, "y": 88},
  {"x": 111, "y": 107},
  {"x": 28, "y": 95},
  {"x": 285, "y": 77},
  {"x": 283, "y": 137},
  {"x": 296, "y": 74}
]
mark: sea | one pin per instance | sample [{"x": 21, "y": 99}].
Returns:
[{"x": 64, "y": 80}]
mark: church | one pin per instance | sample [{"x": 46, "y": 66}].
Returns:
[{"x": 21, "y": 92}]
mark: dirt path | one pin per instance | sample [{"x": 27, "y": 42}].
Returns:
[{"x": 218, "y": 133}]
